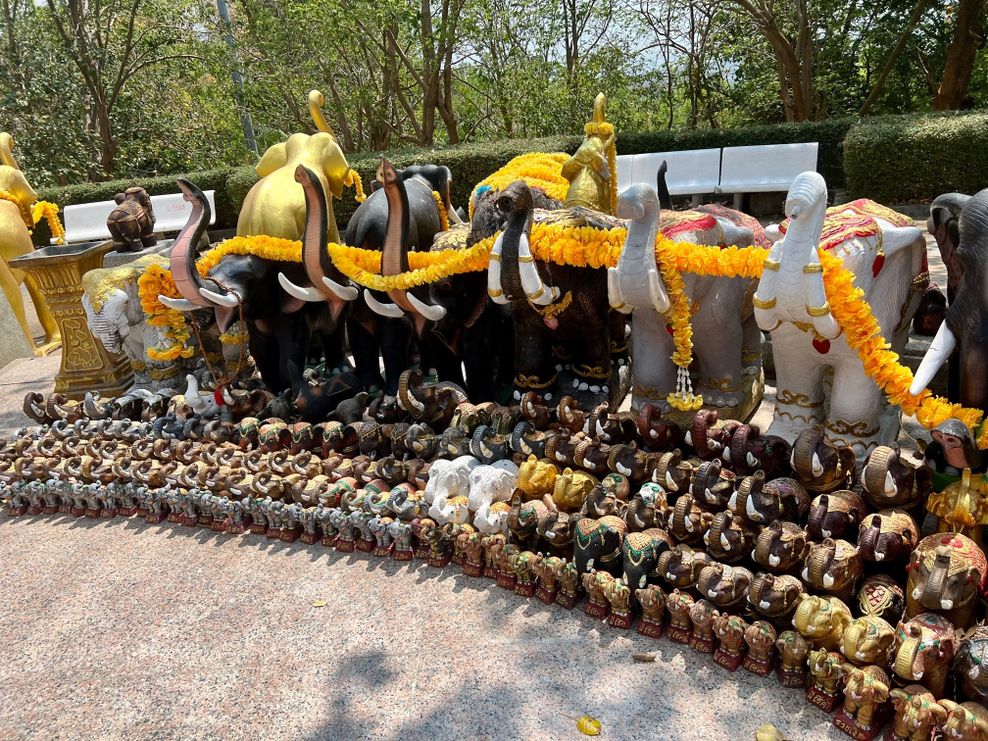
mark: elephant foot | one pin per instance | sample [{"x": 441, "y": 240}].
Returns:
[{"x": 49, "y": 347}]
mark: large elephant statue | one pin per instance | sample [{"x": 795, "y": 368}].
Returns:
[
  {"x": 279, "y": 326},
  {"x": 15, "y": 241},
  {"x": 888, "y": 264},
  {"x": 726, "y": 339},
  {"x": 960, "y": 226}
]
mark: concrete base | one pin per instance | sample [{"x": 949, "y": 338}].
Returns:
[
  {"x": 15, "y": 344},
  {"x": 115, "y": 259}
]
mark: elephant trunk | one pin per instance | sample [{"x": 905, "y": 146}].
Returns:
[
  {"x": 930, "y": 593},
  {"x": 513, "y": 275},
  {"x": 635, "y": 282},
  {"x": 870, "y": 540},
  {"x": 877, "y": 475},
  {"x": 183, "y": 254},
  {"x": 818, "y": 566},
  {"x": 909, "y": 660},
  {"x": 329, "y": 284}
]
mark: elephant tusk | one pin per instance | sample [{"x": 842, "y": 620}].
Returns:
[
  {"x": 344, "y": 293},
  {"x": 940, "y": 350},
  {"x": 310, "y": 294},
  {"x": 178, "y": 304},
  {"x": 753, "y": 514},
  {"x": 724, "y": 542},
  {"x": 732, "y": 503},
  {"x": 614, "y": 295},
  {"x": 828, "y": 581},
  {"x": 230, "y": 301},
  {"x": 430, "y": 311},
  {"x": 494, "y": 288},
  {"x": 531, "y": 282},
  {"x": 891, "y": 489},
  {"x": 947, "y": 604},
  {"x": 657, "y": 292},
  {"x": 974, "y": 672},
  {"x": 817, "y": 465},
  {"x": 387, "y": 310},
  {"x": 670, "y": 483},
  {"x": 752, "y": 461}
]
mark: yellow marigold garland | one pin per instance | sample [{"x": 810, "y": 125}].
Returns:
[
  {"x": 538, "y": 169},
  {"x": 6, "y": 195},
  {"x": 352, "y": 179},
  {"x": 441, "y": 207},
  {"x": 50, "y": 213}
]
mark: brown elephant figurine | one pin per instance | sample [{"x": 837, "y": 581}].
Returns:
[
  {"x": 619, "y": 596},
  {"x": 826, "y": 670},
  {"x": 657, "y": 434},
  {"x": 924, "y": 650},
  {"x": 751, "y": 451},
  {"x": 653, "y": 602},
  {"x": 681, "y": 566},
  {"x": 821, "y": 466},
  {"x": 917, "y": 714},
  {"x": 967, "y": 720},
  {"x": 596, "y": 583},
  {"x": 131, "y": 222},
  {"x": 556, "y": 528},
  {"x": 601, "y": 501},
  {"x": 725, "y": 586},
  {"x": 492, "y": 545},
  {"x": 524, "y": 519},
  {"x": 947, "y": 572},
  {"x": 713, "y": 486},
  {"x": 793, "y": 649},
  {"x": 866, "y": 694},
  {"x": 730, "y": 630},
  {"x": 890, "y": 481},
  {"x": 760, "y": 502},
  {"x": 835, "y": 515},
  {"x": 971, "y": 666},
  {"x": 524, "y": 565},
  {"x": 833, "y": 567},
  {"x": 821, "y": 620},
  {"x": 569, "y": 414},
  {"x": 760, "y": 638},
  {"x": 781, "y": 546},
  {"x": 880, "y": 595},
  {"x": 568, "y": 578},
  {"x": 636, "y": 464},
  {"x": 672, "y": 472},
  {"x": 728, "y": 539},
  {"x": 560, "y": 447},
  {"x": 775, "y": 597},
  {"x": 679, "y": 605},
  {"x": 709, "y": 437},
  {"x": 648, "y": 508},
  {"x": 889, "y": 535},
  {"x": 545, "y": 570},
  {"x": 702, "y": 616},
  {"x": 592, "y": 456},
  {"x": 868, "y": 640},
  {"x": 687, "y": 522}
]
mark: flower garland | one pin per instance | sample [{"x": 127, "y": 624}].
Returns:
[
  {"x": 6, "y": 195},
  {"x": 539, "y": 169},
  {"x": 352, "y": 179},
  {"x": 32, "y": 214},
  {"x": 441, "y": 208}
]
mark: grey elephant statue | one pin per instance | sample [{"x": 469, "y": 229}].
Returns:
[{"x": 887, "y": 258}]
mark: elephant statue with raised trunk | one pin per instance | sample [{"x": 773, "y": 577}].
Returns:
[
  {"x": 775, "y": 597},
  {"x": 833, "y": 567},
  {"x": 924, "y": 649},
  {"x": 889, "y": 479},
  {"x": 887, "y": 257},
  {"x": 727, "y": 343},
  {"x": 887, "y": 535},
  {"x": 966, "y": 720},
  {"x": 868, "y": 640},
  {"x": 947, "y": 575}
]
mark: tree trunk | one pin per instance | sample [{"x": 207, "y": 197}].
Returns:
[
  {"x": 918, "y": 9},
  {"x": 960, "y": 56}
]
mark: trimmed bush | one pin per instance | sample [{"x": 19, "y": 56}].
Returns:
[{"x": 895, "y": 159}]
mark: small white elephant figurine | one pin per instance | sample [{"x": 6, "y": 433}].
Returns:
[{"x": 791, "y": 303}]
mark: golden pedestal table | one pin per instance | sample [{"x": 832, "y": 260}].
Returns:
[{"x": 86, "y": 365}]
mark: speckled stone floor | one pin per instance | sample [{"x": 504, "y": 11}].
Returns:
[{"x": 117, "y": 629}]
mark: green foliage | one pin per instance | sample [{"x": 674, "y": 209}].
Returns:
[{"x": 894, "y": 159}]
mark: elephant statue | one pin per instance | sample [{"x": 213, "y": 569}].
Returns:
[
  {"x": 727, "y": 346},
  {"x": 751, "y": 451},
  {"x": 725, "y": 586},
  {"x": 728, "y": 539},
  {"x": 16, "y": 224},
  {"x": 917, "y": 713},
  {"x": 702, "y": 616},
  {"x": 866, "y": 689},
  {"x": 760, "y": 503},
  {"x": 131, "y": 223},
  {"x": 791, "y": 303},
  {"x": 826, "y": 670},
  {"x": 681, "y": 566},
  {"x": 887, "y": 535},
  {"x": 822, "y": 620},
  {"x": 947, "y": 575},
  {"x": 557, "y": 527},
  {"x": 835, "y": 515},
  {"x": 774, "y": 597},
  {"x": 833, "y": 567},
  {"x": 730, "y": 631},
  {"x": 536, "y": 477},
  {"x": 713, "y": 486},
  {"x": 821, "y": 466},
  {"x": 792, "y": 648},
  {"x": 959, "y": 225},
  {"x": 971, "y": 666},
  {"x": 641, "y": 551},
  {"x": 598, "y": 544},
  {"x": 882, "y": 596},
  {"x": 889, "y": 480},
  {"x": 687, "y": 522},
  {"x": 761, "y": 638},
  {"x": 868, "y": 640},
  {"x": 965, "y": 720},
  {"x": 924, "y": 649}
]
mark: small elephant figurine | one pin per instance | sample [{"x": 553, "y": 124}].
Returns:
[
  {"x": 946, "y": 573},
  {"x": 545, "y": 570},
  {"x": 728, "y": 539},
  {"x": 536, "y": 477},
  {"x": 492, "y": 544},
  {"x": 708, "y": 436},
  {"x": 780, "y": 546},
  {"x": 713, "y": 486},
  {"x": 775, "y": 596},
  {"x": 835, "y": 515},
  {"x": 833, "y": 566},
  {"x": 760, "y": 502},
  {"x": 687, "y": 521},
  {"x": 917, "y": 713},
  {"x": 866, "y": 690},
  {"x": 672, "y": 472},
  {"x": 760, "y": 638},
  {"x": 681, "y": 566},
  {"x": 653, "y": 602},
  {"x": 971, "y": 666},
  {"x": 571, "y": 489},
  {"x": 868, "y": 640},
  {"x": 598, "y": 544},
  {"x": 882, "y": 596},
  {"x": 568, "y": 578},
  {"x": 725, "y": 586},
  {"x": 822, "y": 620},
  {"x": 648, "y": 508},
  {"x": 751, "y": 451},
  {"x": 889, "y": 535},
  {"x": 679, "y": 605},
  {"x": 826, "y": 669},
  {"x": 793, "y": 649},
  {"x": 890, "y": 481},
  {"x": 730, "y": 631},
  {"x": 821, "y": 466},
  {"x": 131, "y": 222},
  {"x": 702, "y": 616},
  {"x": 967, "y": 720},
  {"x": 641, "y": 553},
  {"x": 619, "y": 596},
  {"x": 596, "y": 584},
  {"x": 924, "y": 650}
]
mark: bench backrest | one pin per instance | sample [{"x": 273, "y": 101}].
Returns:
[
  {"x": 765, "y": 168},
  {"x": 691, "y": 171},
  {"x": 87, "y": 221}
]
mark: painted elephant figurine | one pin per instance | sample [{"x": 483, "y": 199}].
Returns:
[
  {"x": 648, "y": 508},
  {"x": 728, "y": 342},
  {"x": 713, "y": 486},
  {"x": 725, "y": 586},
  {"x": 760, "y": 503},
  {"x": 672, "y": 472},
  {"x": 728, "y": 539},
  {"x": 924, "y": 649},
  {"x": 819, "y": 465},
  {"x": 681, "y": 566},
  {"x": 752, "y": 451},
  {"x": 917, "y": 713},
  {"x": 792, "y": 648},
  {"x": 131, "y": 223},
  {"x": 967, "y": 720},
  {"x": 679, "y": 604},
  {"x": 687, "y": 522},
  {"x": 780, "y": 546},
  {"x": 947, "y": 572},
  {"x": 971, "y": 666},
  {"x": 556, "y": 528},
  {"x": 888, "y": 480},
  {"x": 887, "y": 535},
  {"x": 822, "y": 620},
  {"x": 865, "y": 688},
  {"x": 868, "y": 640},
  {"x": 653, "y": 603},
  {"x": 525, "y": 517},
  {"x": 598, "y": 544},
  {"x": 791, "y": 303},
  {"x": 641, "y": 551},
  {"x": 835, "y": 515},
  {"x": 657, "y": 433},
  {"x": 833, "y": 567},
  {"x": 571, "y": 489},
  {"x": 774, "y": 597}
]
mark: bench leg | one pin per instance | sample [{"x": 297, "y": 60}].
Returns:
[
  {"x": 696, "y": 200},
  {"x": 738, "y": 198}
]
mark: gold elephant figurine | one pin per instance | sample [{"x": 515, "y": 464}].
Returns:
[
  {"x": 275, "y": 205},
  {"x": 536, "y": 478},
  {"x": 866, "y": 690},
  {"x": 917, "y": 713},
  {"x": 572, "y": 488},
  {"x": 868, "y": 640},
  {"x": 16, "y": 199}
]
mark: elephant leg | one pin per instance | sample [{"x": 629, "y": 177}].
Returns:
[
  {"x": 396, "y": 339},
  {"x": 856, "y": 405},
  {"x": 332, "y": 348},
  {"x": 651, "y": 366},
  {"x": 293, "y": 336},
  {"x": 264, "y": 350},
  {"x": 617, "y": 329},
  {"x": 366, "y": 352},
  {"x": 533, "y": 362},
  {"x": 594, "y": 359},
  {"x": 799, "y": 382},
  {"x": 52, "y": 332},
  {"x": 12, "y": 290},
  {"x": 751, "y": 344}
]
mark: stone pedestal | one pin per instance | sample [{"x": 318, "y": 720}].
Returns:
[{"x": 86, "y": 366}]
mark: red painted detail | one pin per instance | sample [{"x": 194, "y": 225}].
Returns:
[{"x": 822, "y": 346}]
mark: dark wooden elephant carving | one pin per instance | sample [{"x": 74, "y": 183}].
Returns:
[{"x": 131, "y": 223}]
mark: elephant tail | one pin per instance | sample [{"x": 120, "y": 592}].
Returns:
[{"x": 665, "y": 198}]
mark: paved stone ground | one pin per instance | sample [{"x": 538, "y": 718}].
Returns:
[{"x": 121, "y": 630}]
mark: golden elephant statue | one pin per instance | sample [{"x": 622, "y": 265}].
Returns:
[
  {"x": 16, "y": 199},
  {"x": 275, "y": 205}
]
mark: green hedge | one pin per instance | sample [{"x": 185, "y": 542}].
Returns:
[{"x": 894, "y": 159}]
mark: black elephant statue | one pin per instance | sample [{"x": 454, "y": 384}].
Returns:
[
  {"x": 597, "y": 544},
  {"x": 279, "y": 326}
]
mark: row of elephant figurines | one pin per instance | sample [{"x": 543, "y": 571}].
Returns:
[{"x": 920, "y": 650}]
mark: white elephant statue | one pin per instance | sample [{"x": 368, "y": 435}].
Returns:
[
  {"x": 449, "y": 478},
  {"x": 493, "y": 483},
  {"x": 726, "y": 366},
  {"x": 791, "y": 303}
]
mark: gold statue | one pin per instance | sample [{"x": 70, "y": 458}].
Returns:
[
  {"x": 591, "y": 179},
  {"x": 961, "y": 507},
  {"x": 275, "y": 205},
  {"x": 16, "y": 199}
]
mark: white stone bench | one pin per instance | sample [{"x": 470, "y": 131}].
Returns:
[
  {"x": 765, "y": 168},
  {"x": 691, "y": 172},
  {"x": 86, "y": 222}
]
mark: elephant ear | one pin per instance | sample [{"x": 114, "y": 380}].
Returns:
[
  {"x": 333, "y": 161},
  {"x": 19, "y": 186},
  {"x": 274, "y": 157}
]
